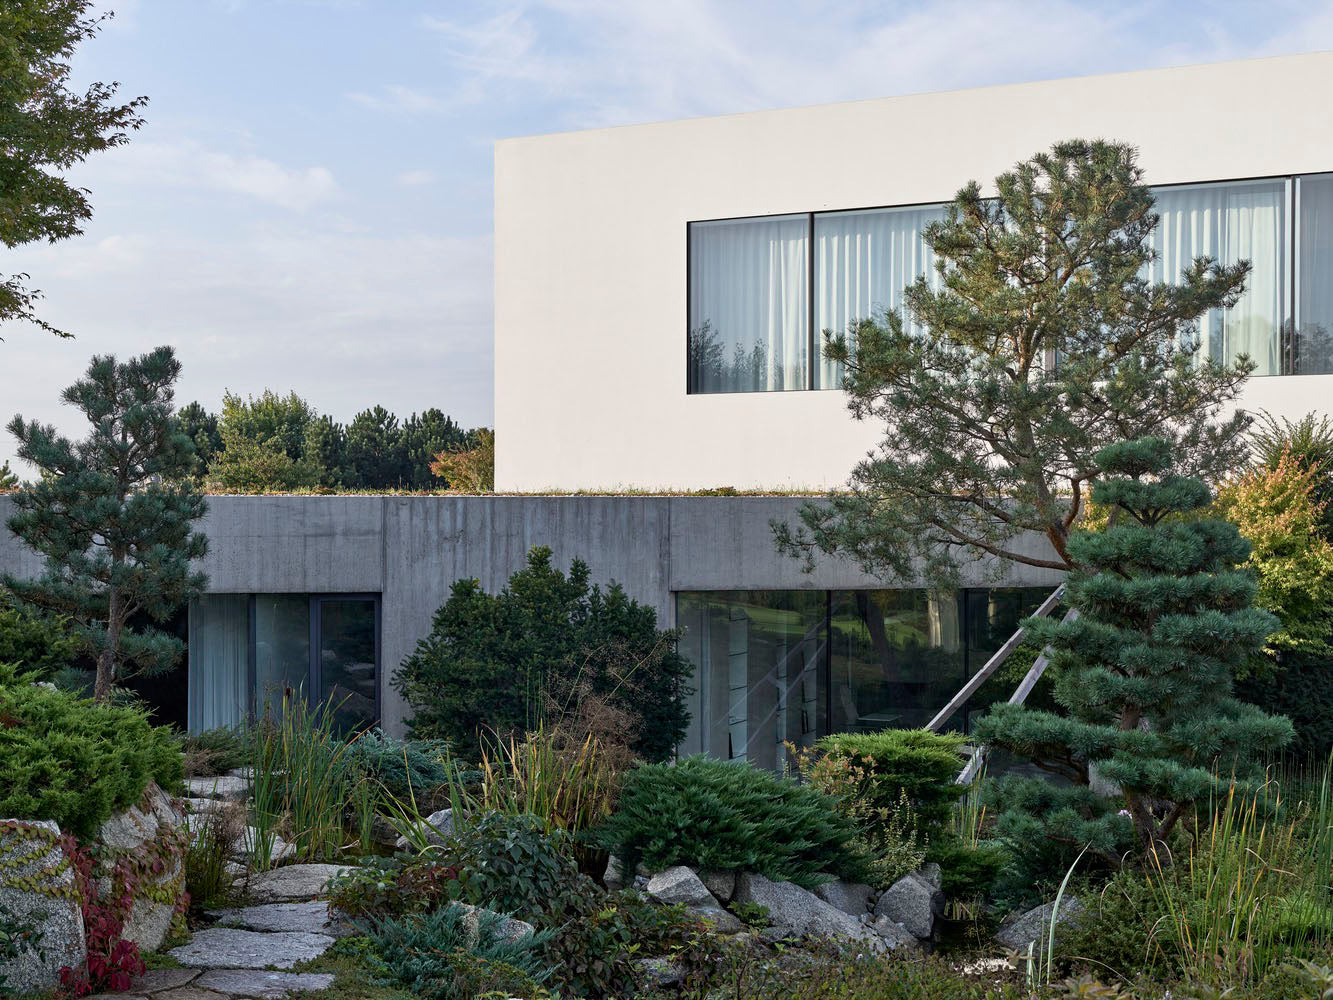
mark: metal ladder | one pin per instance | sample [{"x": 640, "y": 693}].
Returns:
[{"x": 1025, "y": 686}]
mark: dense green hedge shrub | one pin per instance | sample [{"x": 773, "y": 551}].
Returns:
[
  {"x": 915, "y": 762},
  {"x": 730, "y": 816},
  {"x": 36, "y": 644},
  {"x": 508, "y": 661},
  {"x": 73, "y": 761}
]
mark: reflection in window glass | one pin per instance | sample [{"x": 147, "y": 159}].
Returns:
[
  {"x": 757, "y": 657},
  {"x": 282, "y": 649},
  {"x": 749, "y": 313},
  {"x": 863, "y": 261},
  {"x": 1245, "y": 220},
  {"x": 790, "y": 666},
  {"x": 1313, "y": 350},
  {"x": 347, "y": 660},
  {"x": 897, "y": 657}
]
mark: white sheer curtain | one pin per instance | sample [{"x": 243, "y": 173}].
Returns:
[
  {"x": 749, "y": 313},
  {"x": 1314, "y": 344},
  {"x": 1244, "y": 220},
  {"x": 219, "y": 635},
  {"x": 863, "y": 261}
]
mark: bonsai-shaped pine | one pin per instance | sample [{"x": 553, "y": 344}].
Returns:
[
  {"x": 1146, "y": 670},
  {"x": 114, "y": 514}
]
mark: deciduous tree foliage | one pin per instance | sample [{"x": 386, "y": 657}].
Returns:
[
  {"x": 114, "y": 515},
  {"x": 46, "y": 128},
  {"x": 506, "y": 661},
  {"x": 1038, "y": 343},
  {"x": 1146, "y": 673}
]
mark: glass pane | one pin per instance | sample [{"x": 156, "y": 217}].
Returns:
[
  {"x": 749, "y": 313},
  {"x": 219, "y": 661},
  {"x": 863, "y": 261},
  {"x": 1313, "y": 353},
  {"x": 347, "y": 662},
  {"x": 897, "y": 657},
  {"x": 992, "y": 617},
  {"x": 1230, "y": 222},
  {"x": 757, "y": 656},
  {"x": 282, "y": 649}
]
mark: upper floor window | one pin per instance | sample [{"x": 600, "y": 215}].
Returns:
[{"x": 762, "y": 290}]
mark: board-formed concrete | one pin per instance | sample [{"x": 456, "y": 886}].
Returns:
[{"x": 411, "y": 549}]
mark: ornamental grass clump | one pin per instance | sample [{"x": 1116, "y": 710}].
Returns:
[{"x": 731, "y": 816}]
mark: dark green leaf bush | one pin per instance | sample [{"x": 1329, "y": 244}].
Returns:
[
  {"x": 729, "y": 816},
  {"x": 214, "y": 751},
  {"x": 510, "y": 864},
  {"x": 73, "y": 761},
  {"x": 498, "y": 661},
  {"x": 894, "y": 762},
  {"x": 389, "y": 887}
]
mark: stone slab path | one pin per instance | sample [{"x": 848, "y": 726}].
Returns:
[
  {"x": 218, "y": 984},
  {"x": 243, "y": 957}
]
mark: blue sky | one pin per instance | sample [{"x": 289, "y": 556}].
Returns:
[{"x": 309, "y": 206}]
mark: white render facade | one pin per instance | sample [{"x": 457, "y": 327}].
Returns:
[{"x": 613, "y": 245}]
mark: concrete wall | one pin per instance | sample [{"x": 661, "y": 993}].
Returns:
[
  {"x": 590, "y": 252},
  {"x": 411, "y": 549}
]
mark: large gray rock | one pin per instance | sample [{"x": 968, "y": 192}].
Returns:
[
  {"x": 796, "y": 912},
  {"x": 1035, "y": 924},
  {"x": 312, "y": 917},
  {"x": 439, "y": 827},
  {"x": 293, "y": 883},
  {"x": 266, "y": 985},
  {"x": 224, "y": 786},
  {"x": 896, "y": 937},
  {"x": 719, "y": 919},
  {"x": 145, "y": 829},
  {"x": 721, "y": 884},
  {"x": 37, "y": 887},
  {"x": 228, "y": 948},
  {"x": 615, "y": 876},
  {"x": 913, "y": 902},
  {"x": 658, "y": 972},
  {"x": 850, "y": 897},
  {"x": 507, "y": 928},
  {"x": 680, "y": 885}
]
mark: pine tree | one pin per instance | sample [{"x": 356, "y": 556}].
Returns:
[
  {"x": 1038, "y": 343},
  {"x": 1146, "y": 671},
  {"x": 114, "y": 515},
  {"x": 47, "y": 127},
  {"x": 375, "y": 456},
  {"x": 8, "y": 477}
]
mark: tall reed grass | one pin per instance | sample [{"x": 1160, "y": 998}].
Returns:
[
  {"x": 307, "y": 788},
  {"x": 1252, "y": 890}
]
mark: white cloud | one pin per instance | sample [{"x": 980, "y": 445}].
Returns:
[
  {"x": 189, "y": 164},
  {"x": 397, "y": 99},
  {"x": 415, "y": 178}
]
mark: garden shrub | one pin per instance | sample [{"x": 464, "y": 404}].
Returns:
[
  {"x": 730, "y": 816},
  {"x": 505, "y": 662},
  {"x": 37, "y": 644},
  {"x": 1117, "y": 929},
  {"x": 510, "y": 864},
  {"x": 893, "y": 763},
  {"x": 438, "y": 957},
  {"x": 967, "y": 871},
  {"x": 386, "y": 887},
  {"x": 214, "y": 751},
  {"x": 407, "y": 769},
  {"x": 74, "y": 761}
]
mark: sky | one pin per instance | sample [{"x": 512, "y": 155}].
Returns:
[{"x": 309, "y": 205}]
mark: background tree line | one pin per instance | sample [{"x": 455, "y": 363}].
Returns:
[{"x": 275, "y": 442}]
